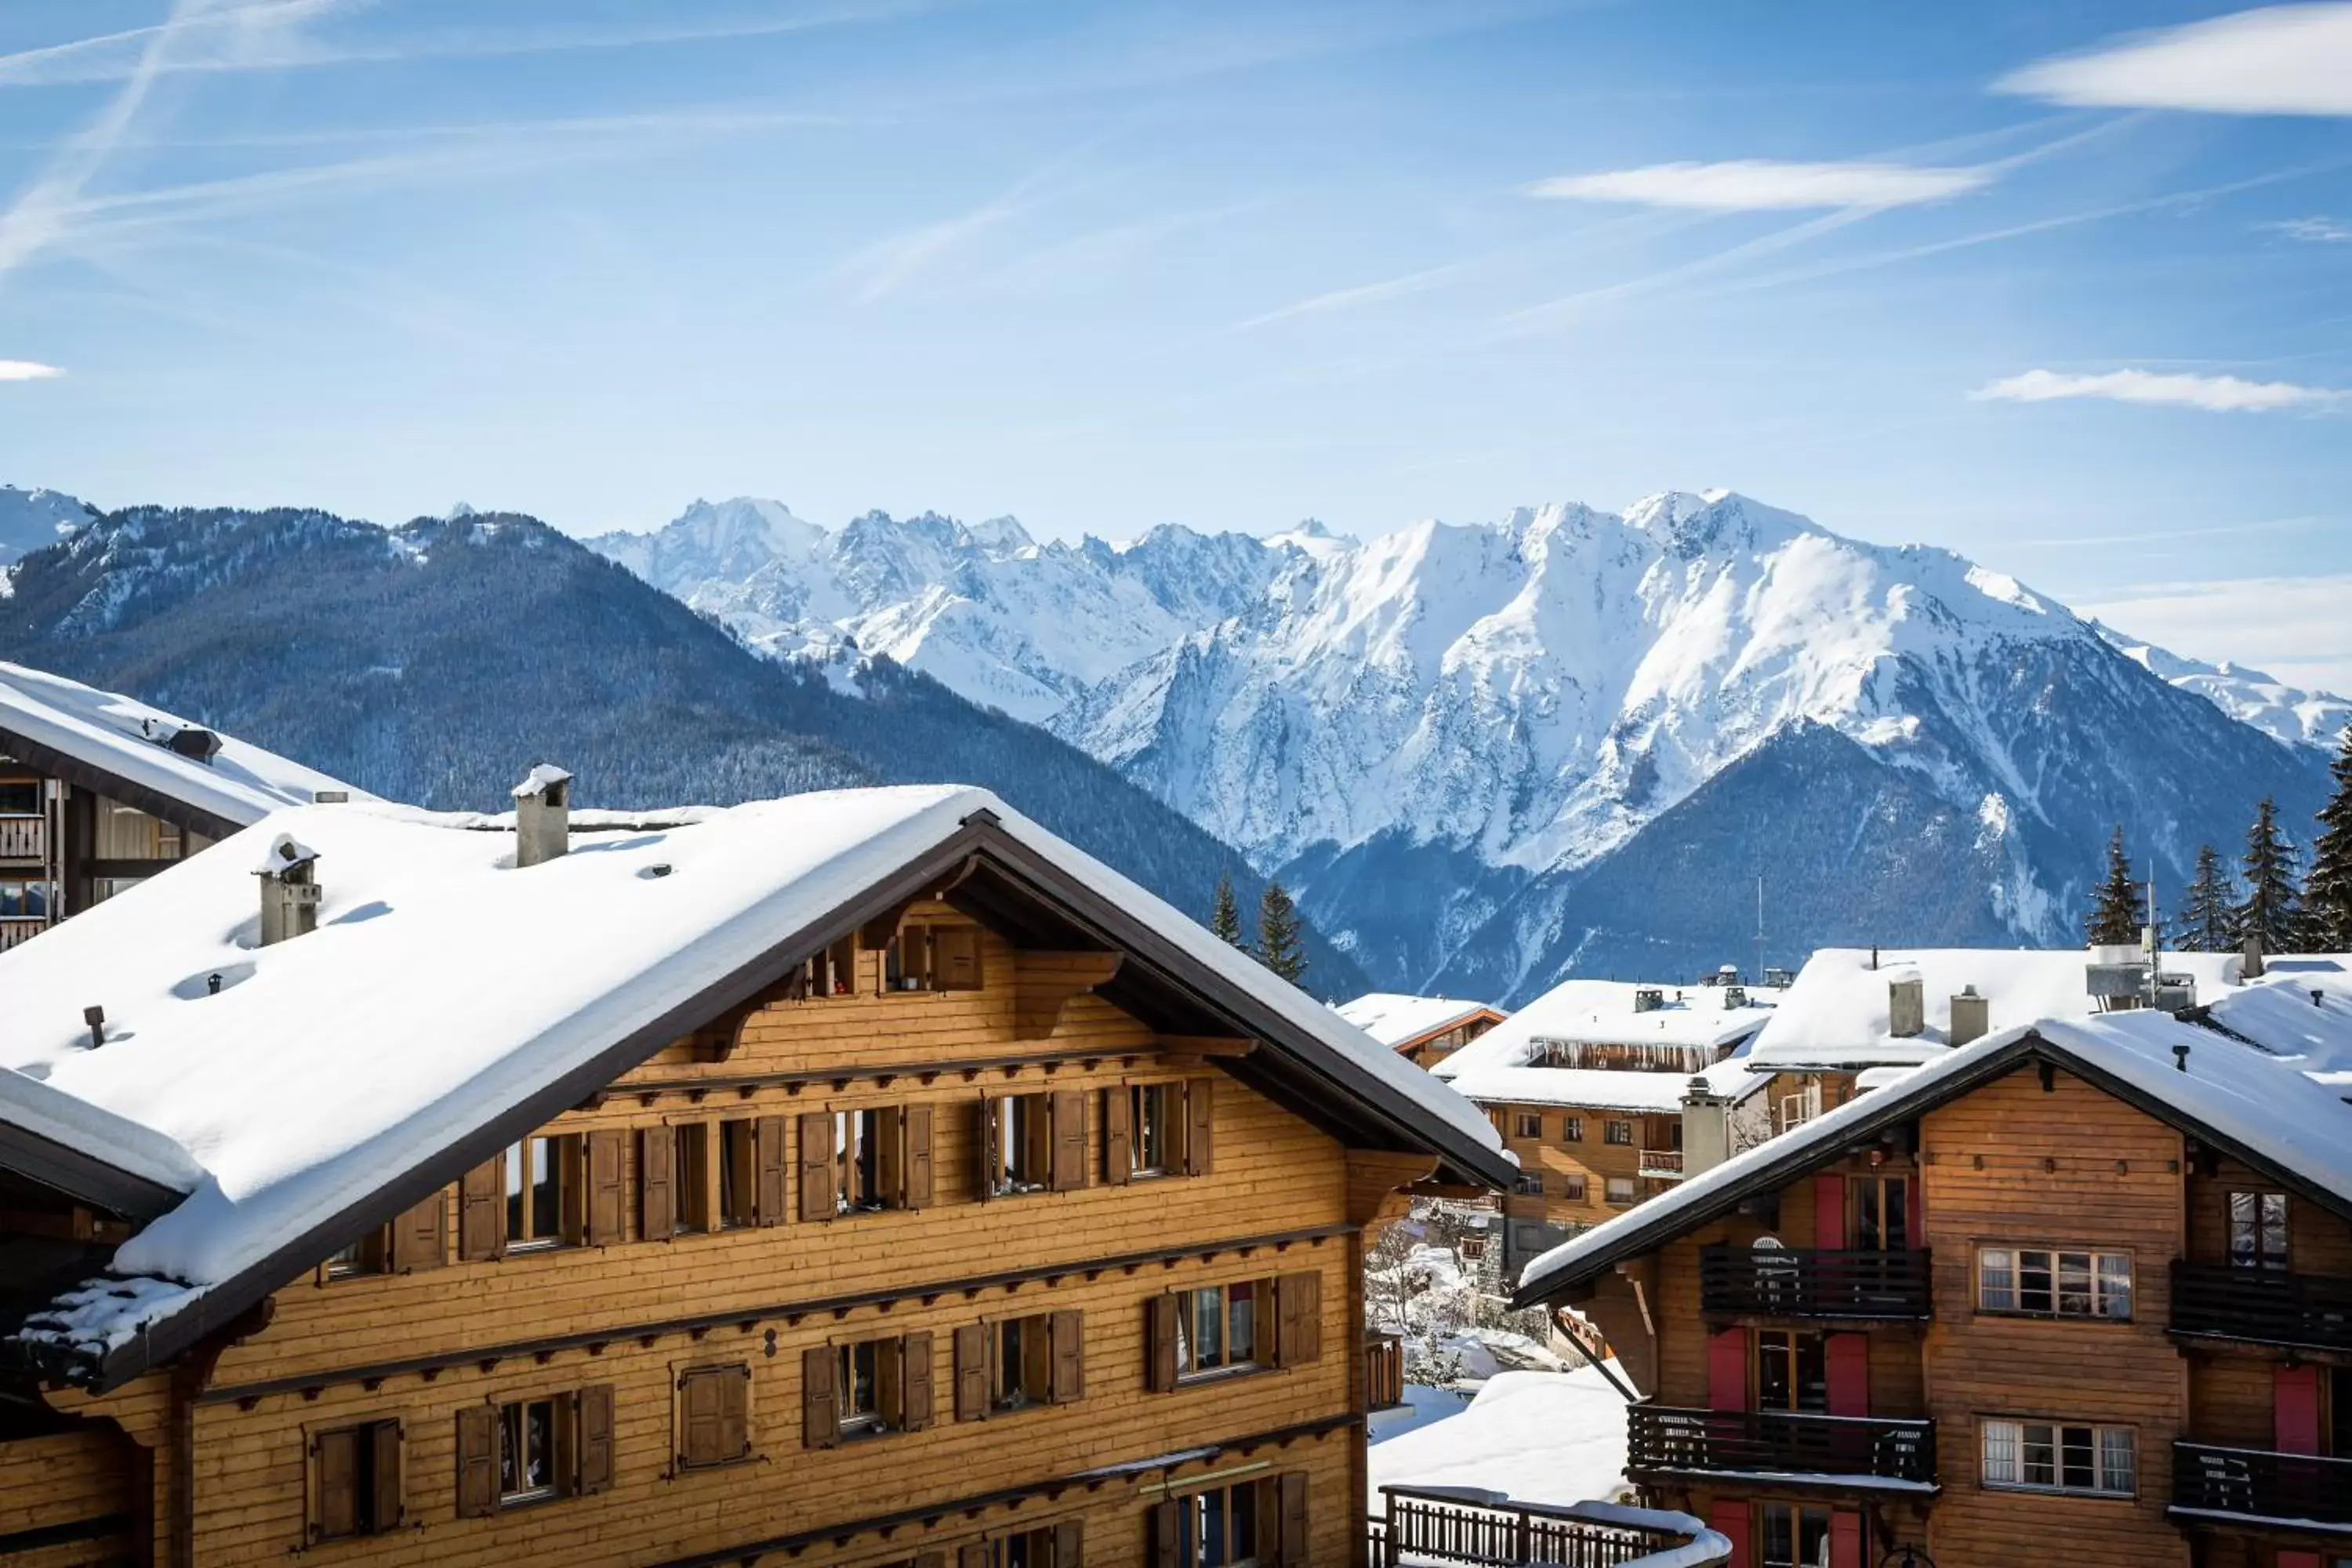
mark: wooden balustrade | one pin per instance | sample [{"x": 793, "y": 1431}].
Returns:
[
  {"x": 1665, "y": 1440},
  {"x": 2256, "y": 1483},
  {"x": 24, "y": 838},
  {"x": 2267, "y": 1306},
  {"x": 13, "y": 931},
  {"x": 1807, "y": 1282},
  {"x": 1488, "y": 1530}
]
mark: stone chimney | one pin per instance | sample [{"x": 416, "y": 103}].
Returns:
[
  {"x": 2252, "y": 969},
  {"x": 289, "y": 873},
  {"x": 1906, "y": 1007},
  {"x": 1971, "y": 1015},
  {"x": 1706, "y": 1128},
  {"x": 542, "y": 815}
]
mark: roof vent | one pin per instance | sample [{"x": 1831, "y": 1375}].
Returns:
[
  {"x": 1649, "y": 999},
  {"x": 201, "y": 744},
  {"x": 542, "y": 815},
  {"x": 290, "y": 889},
  {"x": 1971, "y": 1015},
  {"x": 2180, "y": 1058},
  {"x": 331, "y": 797},
  {"x": 1906, "y": 1007},
  {"x": 1734, "y": 995},
  {"x": 95, "y": 1017}
]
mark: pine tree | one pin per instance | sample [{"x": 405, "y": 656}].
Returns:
[
  {"x": 2327, "y": 896},
  {"x": 1278, "y": 946},
  {"x": 2208, "y": 910},
  {"x": 1225, "y": 915},
  {"x": 2113, "y": 919},
  {"x": 2272, "y": 909}
]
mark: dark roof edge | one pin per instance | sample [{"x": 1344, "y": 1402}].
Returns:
[
  {"x": 82, "y": 1175},
  {"x": 89, "y": 775}
]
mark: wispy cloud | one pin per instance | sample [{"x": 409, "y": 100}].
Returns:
[
  {"x": 2278, "y": 59},
  {"x": 2214, "y": 393},
  {"x": 2292, "y": 627},
  {"x": 1362, "y": 294},
  {"x": 1751, "y": 185},
  {"x": 882, "y": 269},
  {"x": 27, "y": 370},
  {"x": 2317, "y": 230}
]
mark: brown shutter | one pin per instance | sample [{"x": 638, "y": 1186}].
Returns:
[
  {"x": 337, "y": 1456},
  {"x": 768, "y": 1201},
  {"x": 1298, "y": 1320},
  {"x": 478, "y": 1461},
  {"x": 1160, "y": 1318},
  {"x": 972, "y": 1554},
  {"x": 915, "y": 1381},
  {"x": 1118, "y": 1135},
  {"x": 1069, "y": 1138},
  {"x": 420, "y": 1236},
  {"x": 1070, "y": 1544},
  {"x": 1067, "y": 1379},
  {"x": 734, "y": 1410},
  {"x": 1167, "y": 1532},
  {"x": 984, "y": 1147},
  {"x": 1293, "y": 1534},
  {"x": 657, "y": 1195},
  {"x": 972, "y": 1372},
  {"x": 931, "y": 1559},
  {"x": 593, "y": 1410},
  {"x": 385, "y": 1436},
  {"x": 820, "y": 1407},
  {"x": 702, "y": 1432},
  {"x": 955, "y": 955},
  {"x": 1200, "y": 1125},
  {"x": 890, "y": 1159},
  {"x": 917, "y": 1122},
  {"x": 818, "y": 1199},
  {"x": 482, "y": 1215},
  {"x": 608, "y": 1190}
]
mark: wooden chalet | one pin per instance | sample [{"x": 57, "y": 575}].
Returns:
[
  {"x": 859, "y": 1179},
  {"x": 2076, "y": 1293},
  {"x": 1424, "y": 1030},
  {"x": 99, "y": 791}
]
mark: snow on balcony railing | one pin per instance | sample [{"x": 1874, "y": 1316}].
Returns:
[{"x": 1435, "y": 1525}]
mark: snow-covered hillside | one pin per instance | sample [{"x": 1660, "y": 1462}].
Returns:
[
  {"x": 31, "y": 519},
  {"x": 2282, "y": 711}
]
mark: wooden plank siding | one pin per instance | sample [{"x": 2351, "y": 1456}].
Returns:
[
  {"x": 411, "y": 1348},
  {"x": 1593, "y": 1157}
]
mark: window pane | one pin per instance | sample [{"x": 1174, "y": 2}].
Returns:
[
  {"x": 546, "y": 1198},
  {"x": 2078, "y": 1459},
  {"x": 2035, "y": 1292},
  {"x": 2075, "y": 1284},
  {"x": 2118, "y": 1468},
  {"x": 2001, "y": 1457},
  {"x": 1208, "y": 1326},
  {"x": 1213, "y": 1530},
  {"x": 1241, "y": 1323},
  {"x": 2115, "y": 1284},
  {"x": 513, "y": 1160},
  {"x": 1997, "y": 1278},
  {"x": 2039, "y": 1455}
]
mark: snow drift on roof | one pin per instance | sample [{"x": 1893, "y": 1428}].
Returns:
[
  {"x": 1393, "y": 1018},
  {"x": 1495, "y": 1066}
]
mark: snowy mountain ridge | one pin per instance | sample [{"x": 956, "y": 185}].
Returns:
[
  {"x": 2284, "y": 712},
  {"x": 32, "y": 519}
]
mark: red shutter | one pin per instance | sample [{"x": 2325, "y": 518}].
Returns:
[
  {"x": 2299, "y": 1560},
  {"x": 607, "y": 1188},
  {"x": 1727, "y": 1370},
  {"x": 1849, "y": 1369},
  {"x": 2294, "y": 1408},
  {"x": 917, "y": 1122},
  {"x": 1845, "y": 1539},
  {"x": 1728, "y": 1518},
  {"x": 1829, "y": 1212},
  {"x": 768, "y": 1201},
  {"x": 819, "y": 1201}
]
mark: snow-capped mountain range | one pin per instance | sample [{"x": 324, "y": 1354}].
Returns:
[
  {"x": 1454, "y": 726},
  {"x": 31, "y": 519}
]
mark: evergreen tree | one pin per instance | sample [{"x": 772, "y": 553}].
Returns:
[
  {"x": 2208, "y": 912},
  {"x": 2113, "y": 919},
  {"x": 2327, "y": 896},
  {"x": 1278, "y": 946},
  {"x": 2272, "y": 910},
  {"x": 1225, "y": 915}
]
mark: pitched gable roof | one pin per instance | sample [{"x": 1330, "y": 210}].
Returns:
[
  {"x": 1397, "y": 1020},
  {"x": 449, "y": 1003}
]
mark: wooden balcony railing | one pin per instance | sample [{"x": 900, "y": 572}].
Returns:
[
  {"x": 1383, "y": 1371},
  {"x": 13, "y": 931},
  {"x": 1806, "y": 1282},
  {"x": 1660, "y": 1438},
  {"x": 1463, "y": 1524},
  {"x": 2255, "y": 1483},
  {"x": 24, "y": 838},
  {"x": 1662, "y": 1162},
  {"x": 2266, "y": 1305}
]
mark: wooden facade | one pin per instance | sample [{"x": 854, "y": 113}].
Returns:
[
  {"x": 929, "y": 1256},
  {"x": 1431, "y": 1046},
  {"x": 2032, "y": 1321},
  {"x": 67, "y": 845}
]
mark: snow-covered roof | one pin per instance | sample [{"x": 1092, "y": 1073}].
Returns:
[
  {"x": 444, "y": 989},
  {"x": 2264, "y": 1106},
  {"x": 1397, "y": 1020},
  {"x": 2301, "y": 1007},
  {"x": 1835, "y": 1014},
  {"x": 1496, "y": 1067},
  {"x": 539, "y": 780},
  {"x": 129, "y": 740}
]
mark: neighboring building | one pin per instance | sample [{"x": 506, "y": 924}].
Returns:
[
  {"x": 863, "y": 1178},
  {"x": 99, "y": 791},
  {"x": 1424, "y": 1030},
  {"x": 2079, "y": 1292},
  {"x": 1591, "y": 1086}
]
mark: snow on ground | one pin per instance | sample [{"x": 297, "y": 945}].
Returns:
[{"x": 1538, "y": 1437}]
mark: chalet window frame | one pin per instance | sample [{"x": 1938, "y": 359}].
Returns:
[
  {"x": 1233, "y": 1514},
  {"x": 1019, "y": 1363},
  {"x": 1573, "y": 1188},
  {"x": 1155, "y": 1129},
  {"x": 737, "y": 1157},
  {"x": 1806, "y": 1372},
  {"x": 1530, "y": 1185},
  {"x": 863, "y": 1378},
  {"x": 1618, "y": 1130},
  {"x": 1571, "y": 1128},
  {"x": 2094, "y": 1282},
  {"x": 12, "y": 781},
  {"x": 24, "y": 897},
  {"x": 2258, "y": 1228},
  {"x": 721, "y": 1378},
  {"x": 367, "y": 1255},
  {"x": 527, "y": 1228},
  {"x": 909, "y": 960},
  {"x": 1528, "y": 1125},
  {"x": 2009, "y": 1444},
  {"x": 1219, "y": 1301},
  {"x": 864, "y": 1157},
  {"x": 1623, "y": 1197},
  {"x": 1797, "y": 1515},
  {"x": 549, "y": 1445},
  {"x": 1878, "y": 1217},
  {"x": 1021, "y": 1141},
  {"x": 371, "y": 1489}
]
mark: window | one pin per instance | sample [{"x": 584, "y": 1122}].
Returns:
[
  {"x": 714, "y": 1415},
  {"x": 1222, "y": 1527},
  {"x": 1571, "y": 1128},
  {"x": 865, "y": 1388},
  {"x": 1023, "y": 1359},
  {"x": 1152, "y": 1112},
  {"x": 1792, "y": 1372},
  {"x": 833, "y": 972},
  {"x": 532, "y": 1450},
  {"x": 1617, "y": 1132},
  {"x": 1217, "y": 1329},
  {"x": 2258, "y": 1230},
  {"x": 2045, "y": 1282},
  {"x": 739, "y": 1174},
  {"x": 2039, "y": 1455},
  {"x": 365, "y": 1256},
  {"x": 24, "y": 900},
  {"x": 1531, "y": 1183},
  {"x": 1051, "y": 1546},
  {"x": 1882, "y": 1213},
  {"x": 527, "y": 1471},
  {"x": 907, "y": 961},
  {"x": 1526, "y": 1125},
  {"x": 1572, "y": 1188},
  {"x": 1012, "y": 1363},
  {"x": 1620, "y": 1191},
  {"x": 857, "y": 1379},
  {"x": 355, "y": 1480},
  {"x": 1794, "y": 1536},
  {"x": 1244, "y": 1522},
  {"x": 20, "y": 797},
  {"x": 689, "y": 1155},
  {"x": 858, "y": 1137},
  {"x": 541, "y": 1188},
  {"x": 1034, "y": 1142}
]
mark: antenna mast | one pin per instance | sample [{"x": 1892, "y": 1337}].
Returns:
[{"x": 1760, "y": 927}]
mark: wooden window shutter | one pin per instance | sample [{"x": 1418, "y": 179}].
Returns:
[
  {"x": 986, "y": 1135},
  {"x": 768, "y": 1200},
  {"x": 1292, "y": 1535},
  {"x": 608, "y": 1191},
  {"x": 972, "y": 1372},
  {"x": 592, "y": 1409},
  {"x": 337, "y": 1456},
  {"x": 1845, "y": 1539},
  {"x": 914, "y": 1395},
  {"x": 916, "y": 1128},
  {"x": 420, "y": 1236},
  {"x": 482, "y": 1212},
  {"x": 1160, "y": 1315},
  {"x": 1165, "y": 1528},
  {"x": 1829, "y": 1212},
  {"x": 656, "y": 1193},
  {"x": 818, "y": 1200},
  {"x": 1298, "y": 1320},
  {"x": 1848, "y": 1358},
  {"x": 2294, "y": 1409},
  {"x": 478, "y": 1461},
  {"x": 1069, "y": 1138},
  {"x": 1118, "y": 1135},
  {"x": 734, "y": 1410},
  {"x": 955, "y": 955},
  {"x": 1727, "y": 1370},
  {"x": 972, "y": 1554},
  {"x": 1070, "y": 1543},
  {"x": 385, "y": 1438},
  {"x": 1066, "y": 1331},
  {"x": 820, "y": 1406},
  {"x": 1200, "y": 1125}
]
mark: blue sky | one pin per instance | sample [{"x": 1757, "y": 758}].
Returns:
[{"x": 2067, "y": 287}]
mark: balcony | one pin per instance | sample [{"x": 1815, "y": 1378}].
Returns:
[
  {"x": 1488, "y": 1530},
  {"x": 1805, "y": 1282},
  {"x": 2257, "y": 1484},
  {"x": 1383, "y": 1372},
  {"x": 2261, "y": 1306},
  {"x": 13, "y": 931},
  {"x": 24, "y": 838},
  {"x": 1662, "y": 1164},
  {"x": 1855, "y": 1450}
]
